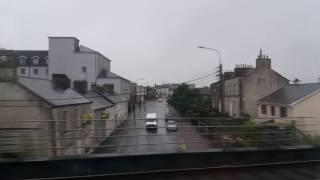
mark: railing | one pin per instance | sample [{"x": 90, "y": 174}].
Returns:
[{"x": 51, "y": 138}]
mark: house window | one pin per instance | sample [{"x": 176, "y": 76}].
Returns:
[
  {"x": 22, "y": 59},
  {"x": 283, "y": 112},
  {"x": 75, "y": 119},
  {"x": 63, "y": 122},
  {"x": 46, "y": 59},
  {"x": 35, "y": 59},
  {"x": 83, "y": 69},
  {"x": 22, "y": 71},
  {"x": 273, "y": 111},
  {"x": 263, "y": 109},
  {"x": 35, "y": 71}
]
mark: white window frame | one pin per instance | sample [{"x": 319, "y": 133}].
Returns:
[
  {"x": 22, "y": 59},
  {"x": 46, "y": 59},
  {"x": 84, "y": 69},
  {"x": 23, "y": 69},
  {"x": 35, "y": 60}
]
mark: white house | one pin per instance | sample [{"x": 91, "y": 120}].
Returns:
[{"x": 30, "y": 63}]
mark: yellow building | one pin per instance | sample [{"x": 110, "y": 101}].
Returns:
[{"x": 295, "y": 102}]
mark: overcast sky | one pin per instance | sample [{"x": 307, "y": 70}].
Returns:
[{"x": 157, "y": 39}]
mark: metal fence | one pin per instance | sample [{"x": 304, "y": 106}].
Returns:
[{"x": 21, "y": 139}]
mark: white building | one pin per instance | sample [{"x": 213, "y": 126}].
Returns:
[
  {"x": 77, "y": 62},
  {"x": 83, "y": 63},
  {"x": 29, "y": 63}
]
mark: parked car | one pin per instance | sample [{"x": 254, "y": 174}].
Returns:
[
  {"x": 168, "y": 117},
  {"x": 159, "y": 100},
  {"x": 172, "y": 125},
  {"x": 151, "y": 121}
]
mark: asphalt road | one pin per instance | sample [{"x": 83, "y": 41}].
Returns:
[{"x": 141, "y": 141}]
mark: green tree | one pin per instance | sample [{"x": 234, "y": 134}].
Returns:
[
  {"x": 185, "y": 100},
  {"x": 151, "y": 93}
]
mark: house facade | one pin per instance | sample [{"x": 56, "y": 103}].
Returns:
[
  {"x": 52, "y": 113},
  {"x": 244, "y": 86},
  {"x": 293, "y": 102},
  {"x": 66, "y": 56},
  {"x": 29, "y": 63}
]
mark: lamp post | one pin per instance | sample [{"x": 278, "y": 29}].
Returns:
[{"x": 221, "y": 88}]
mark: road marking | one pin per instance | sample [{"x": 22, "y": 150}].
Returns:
[{"x": 183, "y": 147}]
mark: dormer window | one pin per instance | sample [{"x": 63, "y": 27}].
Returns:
[
  {"x": 35, "y": 59},
  {"x": 46, "y": 59},
  {"x": 22, "y": 59}
]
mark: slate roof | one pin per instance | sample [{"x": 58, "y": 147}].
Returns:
[
  {"x": 107, "y": 74},
  {"x": 291, "y": 93},
  {"x": 114, "y": 97},
  {"x": 26, "y": 57},
  {"x": 55, "y": 97},
  {"x": 99, "y": 101},
  {"x": 84, "y": 49},
  {"x": 205, "y": 91}
]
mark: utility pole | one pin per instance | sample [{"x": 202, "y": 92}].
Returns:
[
  {"x": 134, "y": 105},
  {"x": 140, "y": 93},
  {"x": 220, "y": 75},
  {"x": 221, "y": 87}
]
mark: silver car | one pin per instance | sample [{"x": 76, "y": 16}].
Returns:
[{"x": 171, "y": 125}]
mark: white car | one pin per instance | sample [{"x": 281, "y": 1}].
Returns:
[
  {"x": 172, "y": 125},
  {"x": 151, "y": 121}
]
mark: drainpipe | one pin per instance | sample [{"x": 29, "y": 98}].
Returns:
[{"x": 53, "y": 133}]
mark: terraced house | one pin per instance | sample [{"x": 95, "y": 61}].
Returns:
[{"x": 245, "y": 85}]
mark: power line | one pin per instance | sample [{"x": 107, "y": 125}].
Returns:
[{"x": 199, "y": 78}]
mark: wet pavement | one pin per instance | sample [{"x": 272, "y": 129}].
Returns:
[{"x": 137, "y": 140}]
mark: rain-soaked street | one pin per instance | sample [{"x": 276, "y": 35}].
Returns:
[{"x": 136, "y": 139}]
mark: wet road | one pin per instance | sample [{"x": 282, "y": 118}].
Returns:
[{"x": 141, "y": 141}]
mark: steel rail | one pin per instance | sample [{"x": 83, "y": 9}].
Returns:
[
  {"x": 143, "y": 119},
  {"x": 133, "y": 128},
  {"x": 155, "y": 135}
]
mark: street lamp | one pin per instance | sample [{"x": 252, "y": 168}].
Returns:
[
  {"x": 220, "y": 75},
  {"x": 218, "y": 52}
]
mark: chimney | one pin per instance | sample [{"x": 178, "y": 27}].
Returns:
[
  {"x": 263, "y": 61},
  {"x": 81, "y": 86},
  {"x": 241, "y": 70},
  {"x": 61, "y": 81},
  {"x": 7, "y": 69}
]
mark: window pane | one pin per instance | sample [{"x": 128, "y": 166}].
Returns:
[
  {"x": 283, "y": 112},
  {"x": 23, "y": 71},
  {"x": 83, "y": 69},
  {"x": 35, "y": 71},
  {"x": 273, "y": 112},
  {"x": 263, "y": 109}
]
